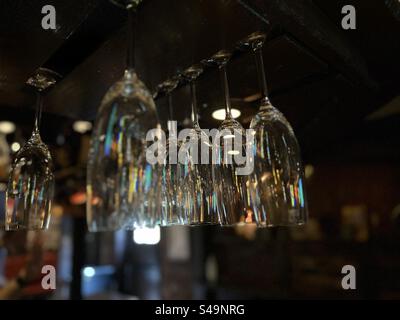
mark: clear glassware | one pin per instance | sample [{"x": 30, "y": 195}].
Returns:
[
  {"x": 228, "y": 147},
  {"x": 204, "y": 206},
  {"x": 119, "y": 178},
  {"x": 145, "y": 212},
  {"x": 153, "y": 199},
  {"x": 176, "y": 171},
  {"x": 151, "y": 204},
  {"x": 278, "y": 196},
  {"x": 31, "y": 182}
]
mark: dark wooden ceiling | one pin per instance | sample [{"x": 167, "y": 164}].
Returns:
[{"x": 325, "y": 79}]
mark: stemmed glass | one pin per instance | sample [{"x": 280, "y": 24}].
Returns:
[
  {"x": 118, "y": 175},
  {"x": 204, "y": 206},
  {"x": 277, "y": 183},
  {"x": 229, "y": 155},
  {"x": 31, "y": 182},
  {"x": 175, "y": 173}
]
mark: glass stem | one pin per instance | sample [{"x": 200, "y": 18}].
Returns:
[
  {"x": 130, "y": 57},
  {"x": 261, "y": 73},
  {"x": 224, "y": 80},
  {"x": 38, "y": 113},
  {"x": 158, "y": 116},
  {"x": 195, "y": 117},
  {"x": 170, "y": 111}
]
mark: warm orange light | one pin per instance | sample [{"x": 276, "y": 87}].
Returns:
[{"x": 78, "y": 198}]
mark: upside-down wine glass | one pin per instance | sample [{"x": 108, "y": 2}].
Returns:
[
  {"x": 175, "y": 173},
  {"x": 229, "y": 159},
  {"x": 31, "y": 182},
  {"x": 204, "y": 205},
  {"x": 277, "y": 183},
  {"x": 118, "y": 175}
]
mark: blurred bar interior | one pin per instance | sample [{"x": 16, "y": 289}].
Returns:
[{"x": 339, "y": 89}]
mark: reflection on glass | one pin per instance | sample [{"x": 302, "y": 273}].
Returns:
[
  {"x": 229, "y": 148},
  {"x": 176, "y": 174},
  {"x": 31, "y": 182},
  {"x": 203, "y": 204},
  {"x": 277, "y": 183},
  {"x": 119, "y": 178}
]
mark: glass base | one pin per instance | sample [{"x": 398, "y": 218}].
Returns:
[{"x": 43, "y": 79}]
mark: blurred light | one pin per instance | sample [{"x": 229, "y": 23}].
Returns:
[
  {"x": 15, "y": 146},
  {"x": 4, "y": 151},
  {"x": 187, "y": 122},
  {"x": 229, "y": 136},
  {"x": 89, "y": 272},
  {"x": 82, "y": 126},
  {"x": 309, "y": 171},
  {"x": 233, "y": 152},
  {"x": 211, "y": 269},
  {"x": 253, "y": 184},
  {"x": 265, "y": 176},
  {"x": 78, "y": 198},
  {"x": 96, "y": 201},
  {"x": 150, "y": 236},
  {"x": 247, "y": 231},
  {"x": 220, "y": 114},
  {"x": 7, "y": 127},
  {"x": 57, "y": 210}
]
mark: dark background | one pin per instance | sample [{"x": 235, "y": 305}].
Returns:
[{"x": 338, "y": 88}]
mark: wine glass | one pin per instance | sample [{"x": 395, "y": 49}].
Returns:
[
  {"x": 146, "y": 211},
  {"x": 277, "y": 184},
  {"x": 31, "y": 182},
  {"x": 175, "y": 173},
  {"x": 118, "y": 173},
  {"x": 229, "y": 148},
  {"x": 150, "y": 207},
  {"x": 204, "y": 206}
]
